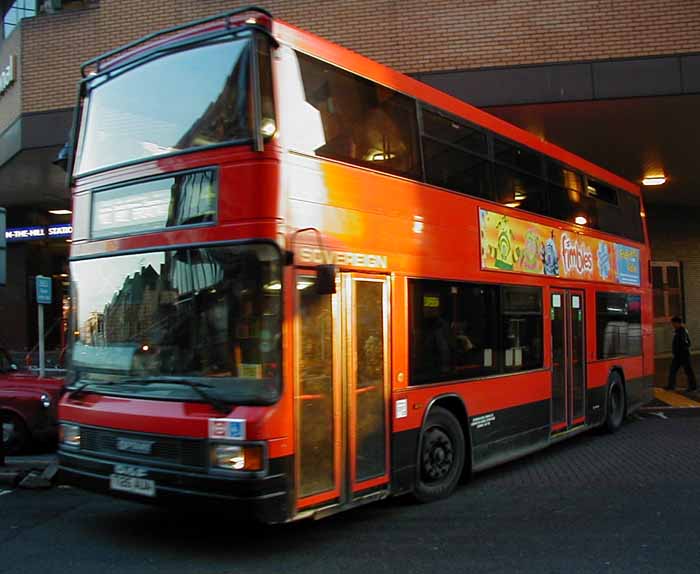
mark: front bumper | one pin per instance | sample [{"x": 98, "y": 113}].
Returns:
[{"x": 266, "y": 499}]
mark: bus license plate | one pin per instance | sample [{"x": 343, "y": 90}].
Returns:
[{"x": 132, "y": 484}]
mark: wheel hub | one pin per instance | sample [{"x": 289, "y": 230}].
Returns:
[{"x": 437, "y": 456}]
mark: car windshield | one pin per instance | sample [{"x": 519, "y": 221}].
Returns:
[
  {"x": 182, "y": 100},
  {"x": 144, "y": 323}
]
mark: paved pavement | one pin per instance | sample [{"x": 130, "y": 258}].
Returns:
[{"x": 598, "y": 503}]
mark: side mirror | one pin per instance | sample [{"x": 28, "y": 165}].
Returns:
[
  {"x": 62, "y": 157},
  {"x": 325, "y": 279}
]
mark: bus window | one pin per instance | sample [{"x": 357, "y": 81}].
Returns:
[
  {"x": 516, "y": 189},
  {"x": 447, "y": 157},
  {"x": 521, "y": 330},
  {"x": 618, "y": 325},
  {"x": 363, "y": 122}
]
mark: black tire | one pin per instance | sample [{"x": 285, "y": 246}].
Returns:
[
  {"x": 616, "y": 403},
  {"x": 14, "y": 433},
  {"x": 441, "y": 456}
]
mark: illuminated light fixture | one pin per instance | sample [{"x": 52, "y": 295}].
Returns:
[
  {"x": 251, "y": 21},
  {"x": 273, "y": 286},
  {"x": 418, "y": 224},
  {"x": 580, "y": 220},
  {"x": 268, "y": 127},
  {"x": 378, "y": 155},
  {"x": 60, "y": 211},
  {"x": 303, "y": 284},
  {"x": 513, "y": 204},
  {"x": 519, "y": 196},
  {"x": 145, "y": 348},
  {"x": 654, "y": 180}
]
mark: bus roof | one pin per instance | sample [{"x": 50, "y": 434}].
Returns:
[{"x": 352, "y": 61}]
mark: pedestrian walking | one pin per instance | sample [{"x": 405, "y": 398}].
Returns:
[{"x": 681, "y": 355}]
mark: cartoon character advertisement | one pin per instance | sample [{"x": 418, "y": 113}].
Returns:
[{"x": 511, "y": 244}]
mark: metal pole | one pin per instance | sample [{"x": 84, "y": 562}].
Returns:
[{"x": 42, "y": 358}]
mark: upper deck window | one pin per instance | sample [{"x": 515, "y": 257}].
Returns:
[
  {"x": 358, "y": 121},
  {"x": 187, "y": 99}
]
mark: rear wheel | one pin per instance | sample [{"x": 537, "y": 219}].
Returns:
[
  {"x": 14, "y": 433},
  {"x": 440, "y": 456},
  {"x": 616, "y": 403}
]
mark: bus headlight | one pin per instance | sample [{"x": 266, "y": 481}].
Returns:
[
  {"x": 45, "y": 400},
  {"x": 69, "y": 435},
  {"x": 237, "y": 457}
]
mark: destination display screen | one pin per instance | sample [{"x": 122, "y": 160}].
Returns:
[{"x": 185, "y": 199}]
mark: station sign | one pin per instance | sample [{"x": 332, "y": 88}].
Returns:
[
  {"x": 512, "y": 244},
  {"x": 32, "y": 233}
]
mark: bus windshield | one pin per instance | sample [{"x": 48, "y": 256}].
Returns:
[
  {"x": 144, "y": 322},
  {"x": 182, "y": 100}
]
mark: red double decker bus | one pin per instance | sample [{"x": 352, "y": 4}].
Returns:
[{"x": 303, "y": 281}]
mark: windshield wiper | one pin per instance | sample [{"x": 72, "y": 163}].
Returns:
[
  {"x": 196, "y": 386},
  {"x": 80, "y": 386}
]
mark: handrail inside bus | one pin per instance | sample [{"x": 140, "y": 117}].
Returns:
[{"x": 126, "y": 47}]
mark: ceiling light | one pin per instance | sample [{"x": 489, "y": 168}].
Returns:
[
  {"x": 513, "y": 204},
  {"x": 60, "y": 211},
  {"x": 654, "y": 180},
  {"x": 581, "y": 220}
]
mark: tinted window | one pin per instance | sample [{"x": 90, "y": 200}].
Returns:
[
  {"x": 466, "y": 330},
  {"x": 453, "y": 168},
  {"x": 630, "y": 224},
  {"x": 359, "y": 121},
  {"x": 521, "y": 320},
  {"x": 618, "y": 325},
  {"x": 601, "y": 192},
  {"x": 516, "y": 189},
  {"x": 454, "y": 132},
  {"x": 517, "y": 156}
]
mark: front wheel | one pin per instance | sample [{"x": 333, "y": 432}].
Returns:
[
  {"x": 616, "y": 403},
  {"x": 440, "y": 456}
]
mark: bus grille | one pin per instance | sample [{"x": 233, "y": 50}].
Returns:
[{"x": 172, "y": 450}]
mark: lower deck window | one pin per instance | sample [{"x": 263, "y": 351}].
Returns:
[
  {"x": 618, "y": 325},
  {"x": 468, "y": 330}
]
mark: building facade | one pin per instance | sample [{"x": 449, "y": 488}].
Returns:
[{"x": 616, "y": 81}]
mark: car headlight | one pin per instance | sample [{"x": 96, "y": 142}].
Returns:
[
  {"x": 69, "y": 435},
  {"x": 237, "y": 457},
  {"x": 45, "y": 400}
]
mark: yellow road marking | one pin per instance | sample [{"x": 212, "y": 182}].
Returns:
[{"x": 674, "y": 399}]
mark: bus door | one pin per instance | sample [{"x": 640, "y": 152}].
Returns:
[
  {"x": 568, "y": 359},
  {"x": 342, "y": 390}
]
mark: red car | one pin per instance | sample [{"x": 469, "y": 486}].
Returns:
[{"x": 28, "y": 406}]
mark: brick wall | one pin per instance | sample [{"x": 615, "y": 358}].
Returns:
[
  {"x": 410, "y": 35},
  {"x": 675, "y": 236}
]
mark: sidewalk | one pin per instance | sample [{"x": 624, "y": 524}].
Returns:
[{"x": 680, "y": 398}]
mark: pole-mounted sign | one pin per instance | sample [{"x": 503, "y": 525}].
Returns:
[{"x": 43, "y": 297}]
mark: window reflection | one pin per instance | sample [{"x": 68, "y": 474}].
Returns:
[
  {"x": 362, "y": 122},
  {"x": 202, "y": 312},
  {"x": 619, "y": 329},
  {"x": 466, "y": 330},
  {"x": 186, "y": 99}
]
